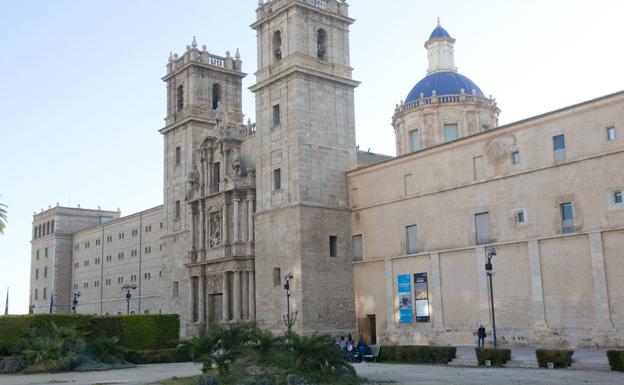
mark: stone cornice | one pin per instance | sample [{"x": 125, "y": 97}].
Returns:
[{"x": 298, "y": 69}]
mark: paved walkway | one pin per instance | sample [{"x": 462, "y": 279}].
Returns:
[
  {"x": 445, "y": 375},
  {"x": 587, "y": 359},
  {"x": 141, "y": 375}
]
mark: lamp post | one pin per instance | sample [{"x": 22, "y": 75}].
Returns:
[
  {"x": 75, "y": 301},
  {"x": 127, "y": 287},
  {"x": 289, "y": 318},
  {"x": 490, "y": 272}
]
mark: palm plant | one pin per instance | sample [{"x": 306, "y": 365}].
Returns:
[
  {"x": 201, "y": 346},
  {"x": 107, "y": 349},
  {"x": 58, "y": 348},
  {"x": 3, "y": 217},
  {"x": 318, "y": 353}
]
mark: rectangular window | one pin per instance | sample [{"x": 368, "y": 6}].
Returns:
[
  {"x": 617, "y": 197},
  {"x": 482, "y": 228},
  {"x": 277, "y": 118},
  {"x": 277, "y": 179},
  {"x": 176, "y": 288},
  {"x": 45, "y": 272},
  {"x": 559, "y": 148},
  {"x": 37, "y": 274},
  {"x": 37, "y": 252},
  {"x": 411, "y": 239},
  {"x": 36, "y": 294},
  {"x": 611, "y": 133},
  {"x": 450, "y": 132},
  {"x": 484, "y": 127},
  {"x": 520, "y": 217},
  {"x": 515, "y": 157},
  {"x": 567, "y": 218},
  {"x": 277, "y": 276},
  {"x": 333, "y": 246},
  {"x": 414, "y": 140},
  {"x": 45, "y": 292},
  {"x": 357, "y": 248},
  {"x": 45, "y": 252},
  {"x": 177, "y": 210},
  {"x": 178, "y": 156}
]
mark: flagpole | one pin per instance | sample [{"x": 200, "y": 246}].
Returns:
[{"x": 6, "y": 307}]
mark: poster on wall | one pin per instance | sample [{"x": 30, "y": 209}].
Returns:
[
  {"x": 405, "y": 299},
  {"x": 421, "y": 296}
]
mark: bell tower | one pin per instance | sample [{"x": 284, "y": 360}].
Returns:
[{"x": 305, "y": 144}]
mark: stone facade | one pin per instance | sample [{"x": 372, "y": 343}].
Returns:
[
  {"x": 246, "y": 204},
  {"x": 556, "y": 282}
]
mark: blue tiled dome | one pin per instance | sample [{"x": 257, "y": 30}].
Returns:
[
  {"x": 443, "y": 83},
  {"x": 439, "y": 32}
]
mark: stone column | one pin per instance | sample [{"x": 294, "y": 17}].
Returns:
[
  {"x": 245, "y": 295},
  {"x": 236, "y": 215},
  {"x": 237, "y": 296},
  {"x": 389, "y": 289},
  {"x": 250, "y": 224},
  {"x": 192, "y": 300},
  {"x": 226, "y": 224},
  {"x": 252, "y": 295},
  {"x": 438, "y": 317},
  {"x": 484, "y": 294},
  {"x": 537, "y": 291},
  {"x": 202, "y": 226},
  {"x": 226, "y": 297},
  {"x": 202, "y": 299},
  {"x": 601, "y": 293}
]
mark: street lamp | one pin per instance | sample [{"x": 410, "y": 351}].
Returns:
[
  {"x": 75, "y": 301},
  {"x": 289, "y": 318},
  {"x": 490, "y": 273},
  {"x": 127, "y": 287}
]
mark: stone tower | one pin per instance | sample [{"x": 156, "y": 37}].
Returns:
[
  {"x": 443, "y": 106},
  {"x": 203, "y": 101},
  {"x": 305, "y": 143}
]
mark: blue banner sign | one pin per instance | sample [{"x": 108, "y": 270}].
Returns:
[{"x": 405, "y": 299}]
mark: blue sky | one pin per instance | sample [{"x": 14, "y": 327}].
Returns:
[{"x": 81, "y": 99}]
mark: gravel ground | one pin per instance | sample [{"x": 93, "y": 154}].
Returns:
[{"x": 441, "y": 375}]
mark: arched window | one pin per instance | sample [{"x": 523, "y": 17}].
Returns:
[
  {"x": 146, "y": 311},
  {"x": 216, "y": 95},
  {"x": 180, "y": 98},
  {"x": 277, "y": 45},
  {"x": 321, "y": 44}
]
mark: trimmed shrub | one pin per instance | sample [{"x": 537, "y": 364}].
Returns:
[
  {"x": 497, "y": 357},
  {"x": 559, "y": 357},
  {"x": 138, "y": 332},
  {"x": 418, "y": 354},
  {"x": 616, "y": 360},
  {"x": 157, "y": 356},
  {"x": 149, "y": 332}
]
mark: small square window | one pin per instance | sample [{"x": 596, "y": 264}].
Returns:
[
  {"x": 333, "y": 246},
  {"x": 617, "y": 197},
  {"x": 451, "y": 132},
  {"x": 520, "y": 217},
  {"x": 611, "y": 133},
  {"x": 515, "y": 157}
]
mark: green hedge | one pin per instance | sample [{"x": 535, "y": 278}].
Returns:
[
  {"x": 497, "y": 357},
  {"x": 616, "y": 360},
  {"x": 157, "y": 356},
  {"x": 137, "y": 332},
  {"x": 559, "y": 357},
  {"x": 418, "y": 354}
]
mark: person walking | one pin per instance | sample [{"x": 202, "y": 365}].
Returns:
[{"x": 481, "y": 335}]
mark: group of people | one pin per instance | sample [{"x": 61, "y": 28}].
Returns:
[{"x": 353, "y": 352}]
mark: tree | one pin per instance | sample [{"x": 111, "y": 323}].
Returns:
[{"x": 3, "y": 217}]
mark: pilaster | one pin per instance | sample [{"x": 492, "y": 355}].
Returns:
[
  {"x": 537, "y": 291},
  {"x": 438, "y": 317}
]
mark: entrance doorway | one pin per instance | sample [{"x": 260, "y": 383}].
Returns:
[
  {"x": 367, "y": 329},
  {"x": 216, "y": 308}
]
